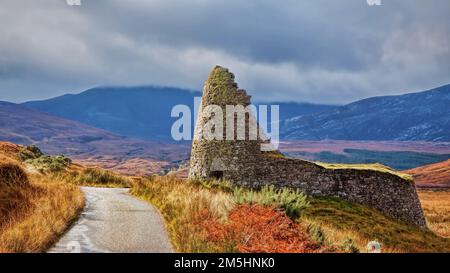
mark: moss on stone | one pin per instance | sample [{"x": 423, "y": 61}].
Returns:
[{"x": 371, "y": 167}]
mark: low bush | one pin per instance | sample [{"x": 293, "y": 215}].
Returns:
[
  {"x": 255, "y": 229},
  {"x": 29, "y": 152},
  {"x": 47, "y": 163},
  {"x": 292, "y": 201}
]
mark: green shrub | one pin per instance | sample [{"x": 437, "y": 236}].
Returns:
[
  {"x": 219, "y": 184},
  {"x": 316, "y": 232},
  {"x": 30, "y": 152},
  {"x": 292, "y": 201},
  {"x": 46, "y": 163},
  {"x": 350, "y": 246}
]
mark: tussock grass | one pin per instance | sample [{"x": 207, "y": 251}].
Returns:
[
  {"x": 372, "y": 167},
  {"x": 436, "y": 206},
  {"x": 329, "y": 222},
  {"x": 34, "y": 210},
  {"x": 93, "y": 177},
  {"x": 13, "y": 183},
  {"x": 292, "y": 201},
  {"x": 186, "y": 205},
  {"x": 341, "y": 220},
  {"x": 179, "y": 202},
  {"x": 12, "y": 175}
]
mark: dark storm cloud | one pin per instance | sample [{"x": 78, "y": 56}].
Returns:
[{"x": 321, "y": 51}]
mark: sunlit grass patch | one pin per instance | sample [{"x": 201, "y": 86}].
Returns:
[
  {"x": 436, "y": 206},
  {"x": 93, "y": 177},
  {"x": 293, "y": 202},
  {"x": 34, "y": 213},
  {"x": 330, "y": 224},
  {"x": 341, "y": 219}
]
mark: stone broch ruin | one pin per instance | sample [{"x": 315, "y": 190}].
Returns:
[{"x": 243, "y": 163}]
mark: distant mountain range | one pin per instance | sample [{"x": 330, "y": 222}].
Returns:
[
  {"x": 142, "y": 112},
  {"x": 87, "y": 144},
  {"x": 423, "y": 116},
  {"x": 122, "y": 128},
  {"x": 22, "y": 125}
]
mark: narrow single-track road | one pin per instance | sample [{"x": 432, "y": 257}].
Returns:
[{"x": 115, "y": 221}]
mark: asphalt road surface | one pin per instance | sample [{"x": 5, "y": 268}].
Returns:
[{"x": 115, "y": 221}]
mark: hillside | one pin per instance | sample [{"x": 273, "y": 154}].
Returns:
[
  {"x": 22, "y": 125},
  {"x": 142, "y": 112},
  {"x": 432, "y": 176},
  {"x": 35, "y": 209},
  {"x": 93, "y": 146},
  {"x": 423, "y": 116}
]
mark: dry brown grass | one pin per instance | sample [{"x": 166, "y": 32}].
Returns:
[
  {"x": 34, "y": 210},
  {"x": 92, "y": 177},
  {"x": 9, "y": 150},
  {"x": 184, "y": 205},
  {"x": 179, "y": 202},
  {"x": 341, "y": 219},
  {"x": 436, "y": 206},
  {"x": 46, "y": 211}
]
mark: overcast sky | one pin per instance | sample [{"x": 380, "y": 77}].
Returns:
[{"x": 323, "y": 51}]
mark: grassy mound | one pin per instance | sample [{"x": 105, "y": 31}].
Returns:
[
  {"x": 9, "y": 150},
  {"x": 46, "y": 208},
  {"x": 13, "y": 184},
  {"x": 341, "y": 220},
  {"x": 29, "y": 152},
  {"x": 34, "y": 209},
  {"x": 12, "y": 175}
]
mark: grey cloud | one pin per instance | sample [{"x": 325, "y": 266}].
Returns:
[{"x": 319, "y": 51}]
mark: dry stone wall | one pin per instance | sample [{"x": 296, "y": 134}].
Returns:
[{"x": 243, "y": 163}]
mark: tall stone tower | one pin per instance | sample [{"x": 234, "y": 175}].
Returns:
[
  {"x": 240, "y": 159},
  {"x": 229, "y": 157}
]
